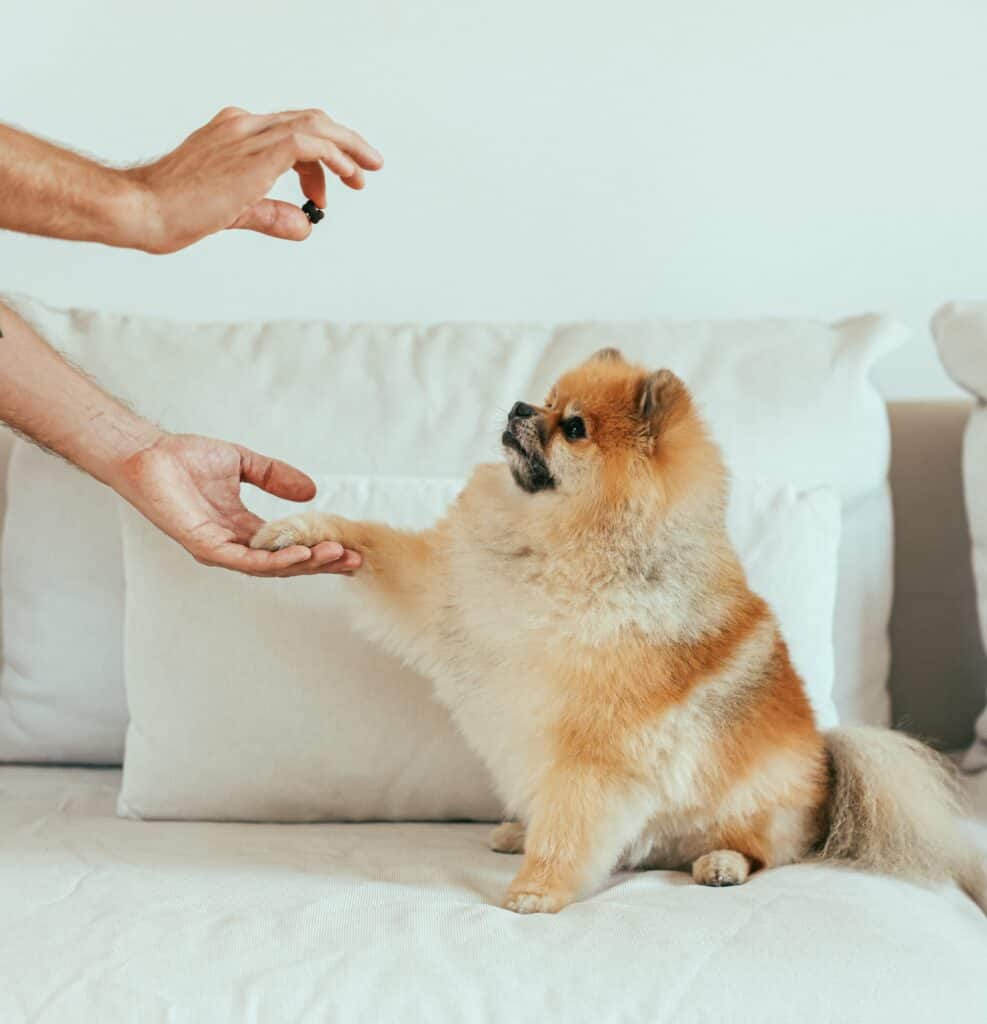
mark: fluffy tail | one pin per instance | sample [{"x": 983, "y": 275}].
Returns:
[{"x": 894, "y": 808}]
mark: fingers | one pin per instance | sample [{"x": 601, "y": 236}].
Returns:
[
  {"x": 307, "y": 140},
  {"x": 327, "y": 557},
  {"x": 356, "y": 180},
  {"x": 275, "y": 477},
  {"x": 320, "y": 124},
  {"x": 265, "y": 130},
  {"x": 312, "y": 179},
  {"x": 285, "y": 148},
  {"x": 277, "y": 219},
  {"x": 254, "y": 563},
  {"x": 322, "y": 556},
  {"x": 348, "y": 563}
]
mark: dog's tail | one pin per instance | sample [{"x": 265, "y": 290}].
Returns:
[{"x": 894, "y": 808}]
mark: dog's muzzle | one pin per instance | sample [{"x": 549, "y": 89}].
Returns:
[{"x": 524, "y": 441}]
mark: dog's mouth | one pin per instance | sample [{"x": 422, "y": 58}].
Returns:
[{"x": 528, "y": 467}]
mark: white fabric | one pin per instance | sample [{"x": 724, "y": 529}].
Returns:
[
  {"x": 7, "y": 440},
  {"x": 253, "y": 700},
  {"x": 975, "y": 787},
  {"x": 789, "y": 400},
  {"x": 61, "y": 691},
  {"x": 960, "y": 330},
  {"x": 104, "y": 921},
  {"x": 788, "y": 542}
]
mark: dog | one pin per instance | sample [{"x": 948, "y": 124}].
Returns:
[{"x": 585, "y": 619}]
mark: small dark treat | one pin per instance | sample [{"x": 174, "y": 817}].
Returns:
[{"x": 313, "y": 213}]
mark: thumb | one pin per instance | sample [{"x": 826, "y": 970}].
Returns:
[
  {"x": 275, "y": 218},
  {"x": 275, "y": 477}
]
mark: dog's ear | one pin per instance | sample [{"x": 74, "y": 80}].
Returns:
[
  {"x": 607, "y": 355},
  {"x": 662, "y": 394}
]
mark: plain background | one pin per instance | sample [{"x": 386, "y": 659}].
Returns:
[{"x": 545, "y": 160}]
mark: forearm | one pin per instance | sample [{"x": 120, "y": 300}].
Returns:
[
  {"x": 47, "y": 190},
  {"x": 48, "y": 400}
]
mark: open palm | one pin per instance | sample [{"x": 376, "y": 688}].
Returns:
[{"x": 189, "y": 487}]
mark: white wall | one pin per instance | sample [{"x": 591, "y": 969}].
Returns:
[{"x": 545, "y": 160}]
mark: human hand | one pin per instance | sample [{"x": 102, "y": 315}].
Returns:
[
  {"x": 220, "y": 175},
  {"x": 189, "y": 487}
]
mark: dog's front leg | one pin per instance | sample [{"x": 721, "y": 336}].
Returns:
[
  {"x": 581, "y": 820},
  {"x": 402, "y": 572}
]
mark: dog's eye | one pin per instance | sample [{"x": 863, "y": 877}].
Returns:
[{"x": 574, "y": 428}]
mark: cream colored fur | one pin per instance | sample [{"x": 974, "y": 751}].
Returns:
[{"x": 896, "y": 809}]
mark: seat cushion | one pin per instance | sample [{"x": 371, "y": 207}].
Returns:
[{"x": 107, "y": 921}]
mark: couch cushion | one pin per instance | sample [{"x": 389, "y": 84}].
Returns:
[
  {"x": 7, "y": 440},
  {"x": 960, "y": 330},
  {"x": 104, "y": 920},
  {"x": 61, "y": 692}
]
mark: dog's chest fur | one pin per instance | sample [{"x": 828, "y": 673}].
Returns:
[{"x": 531, "y": 635}]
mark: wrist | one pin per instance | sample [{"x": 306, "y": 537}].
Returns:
[
  {"x": 117, "y": 447},
  {"x": 133, "y": 214}
]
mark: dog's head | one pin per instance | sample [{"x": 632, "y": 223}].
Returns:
[{"x": 609, "y": 431}]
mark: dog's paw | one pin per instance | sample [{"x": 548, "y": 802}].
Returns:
[
  {"x": 535, "y": 902},
  {"x": 721, "y": 867},
  {"x": 507, "y": 837},
  {"x": 282, "y": 533}
]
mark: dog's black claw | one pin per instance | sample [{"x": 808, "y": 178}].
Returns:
[{"x": 313, "y": 213}]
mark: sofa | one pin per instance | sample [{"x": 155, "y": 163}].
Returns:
[{"x": 104, "y": 919}]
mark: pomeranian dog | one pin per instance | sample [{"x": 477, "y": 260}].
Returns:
[{"x": 584, "y": 617}]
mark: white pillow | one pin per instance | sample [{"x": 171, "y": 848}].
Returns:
[
  {"x": 253, "y": 699},
  {"x": 61, "y": 690},
  {"x": 789, "y": 400},
  {"x": 960, "y": 331}
]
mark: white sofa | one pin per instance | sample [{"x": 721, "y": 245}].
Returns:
[{"x": 106, "y": 920}]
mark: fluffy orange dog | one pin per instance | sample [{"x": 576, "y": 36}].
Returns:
[{"x": 585, "y": 619}]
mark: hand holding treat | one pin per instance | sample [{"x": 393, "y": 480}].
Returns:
[{"x": 218, "y": 178}]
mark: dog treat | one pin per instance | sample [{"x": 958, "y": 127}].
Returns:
[{"x": 313, "y": 213}]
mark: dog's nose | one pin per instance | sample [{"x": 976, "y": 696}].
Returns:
[{"x": 521, "y": 411}]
